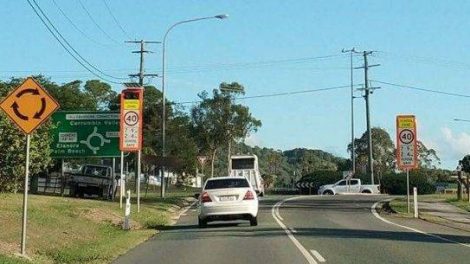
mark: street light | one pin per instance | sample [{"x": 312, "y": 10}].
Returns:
[
  {"x": 221, "y": 16},
  {"x": 461, "y": 120}
]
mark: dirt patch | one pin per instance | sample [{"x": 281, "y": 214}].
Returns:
[
  {"x": 9, "y": 248},
  {"x": 105, "y": 216}
]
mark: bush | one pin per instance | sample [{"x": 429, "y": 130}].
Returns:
[{"x": 395, "y": 183}]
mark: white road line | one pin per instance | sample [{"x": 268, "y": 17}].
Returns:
[
  {"x": 304, "y": 251},
  {"x": 317, "y": 255},
  {"x": 374, "y": 212},
  {"x": 278, "y": 215}
]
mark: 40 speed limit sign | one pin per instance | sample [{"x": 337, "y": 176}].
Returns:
[
  {"x": 407, "y": 143},
  {"x": 131, "y": 120}
]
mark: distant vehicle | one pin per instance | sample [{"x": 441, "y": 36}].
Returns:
[
  {"x": 348, "y": 186},
  {"x": 247, "y": 166},
  {"x": 92, "y": 179},
  {"x": 228, "y": 198}
]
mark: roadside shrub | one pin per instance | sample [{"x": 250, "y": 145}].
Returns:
[{"x": 395, "y": 183}]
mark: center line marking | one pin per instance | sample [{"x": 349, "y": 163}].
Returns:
[{"x": 317, "y": 255}]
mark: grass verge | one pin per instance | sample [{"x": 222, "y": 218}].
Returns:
[{"x": 70, "y": 230}]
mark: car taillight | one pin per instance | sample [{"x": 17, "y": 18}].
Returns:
[
  {"x": 205, "y": 198},
  {"x": 249, "y": 196}
]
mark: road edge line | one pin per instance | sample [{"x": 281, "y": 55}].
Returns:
[
  {"x": 374, "y": 212},
  {"x": 318, "y": 255},
  {"x": 299, "y": 246}
]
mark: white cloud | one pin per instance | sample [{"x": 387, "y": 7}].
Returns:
[
  {"x": 454, "y": 146},
  {"x": 253, "y": 140}
]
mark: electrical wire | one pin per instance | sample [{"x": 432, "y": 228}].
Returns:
[
  {"x": 115, "y": 20},
  {"x": 265, "y": 63},
  {"x": 96, "y": 24},
  {"x": 278, "y": 94},
  {"x": 66, "y": 42},
  {"x": 76, "y": 27},
  {"x": 428, "y": 60},
  {"x": 423, "y": 89},
  {"x": 65, "y": 47}
]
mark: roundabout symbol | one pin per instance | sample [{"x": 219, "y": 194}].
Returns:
[
  {"x": 95, "y": 133},
  {"x": 406, "y": 136}
]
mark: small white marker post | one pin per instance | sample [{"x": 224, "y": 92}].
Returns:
[
  {"x": 127, "y": 212},
  {"x": 25, "y": 198},
  {"x": 415, "y": 201}
]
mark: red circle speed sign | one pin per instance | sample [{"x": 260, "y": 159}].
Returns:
[
  {"x": 406, "y": 136},
  {"x": 131, "y": 118}
]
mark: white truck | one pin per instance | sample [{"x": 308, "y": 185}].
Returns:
[
  {"x": 247, "y": 166},
  {"x": 348, "y": 186}
]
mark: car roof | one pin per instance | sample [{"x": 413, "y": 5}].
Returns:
[{"x": 226, "y": 177}]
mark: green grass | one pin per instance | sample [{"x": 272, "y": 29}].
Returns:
[
  {"x": 465, "y": 205},
  {"x": 399, "y": 204},
  {"x": 69, "y": 230},
  {"x": 12, "y": 260}
]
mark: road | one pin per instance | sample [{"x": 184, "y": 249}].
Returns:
[{"x": 312, "y": 229}]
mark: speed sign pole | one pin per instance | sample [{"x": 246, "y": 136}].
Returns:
[{"x": 407, "y": 148}]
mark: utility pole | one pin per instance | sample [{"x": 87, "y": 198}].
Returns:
[
  {"x": 141, "y": 76},
  {"x": 367, "y": 91},
  {"x": 353, "y": 154}
]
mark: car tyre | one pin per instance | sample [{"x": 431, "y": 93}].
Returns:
[
  {"x": 254, "y": 221},
  {"x": 202, "y": 223},
  {"x": 328, "y": 192},
  {"x": 366, "y": 192}
]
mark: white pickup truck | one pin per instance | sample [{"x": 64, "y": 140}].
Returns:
[{"x": 348, "y": 186}]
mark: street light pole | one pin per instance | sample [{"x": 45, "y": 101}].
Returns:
[
  {"x": 223, "y": 16},
  {"x": 353, "y": 154}
]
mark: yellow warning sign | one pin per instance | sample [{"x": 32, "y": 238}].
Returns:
[
  {"x": 29, "y": 105},
  {"x": 131, "y": 104},
  {"x": 405, "y": 121}
]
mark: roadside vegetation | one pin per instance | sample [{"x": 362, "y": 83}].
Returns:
[
  {"x": 398, "y": 205},
  {"x": 70, "y": 230}
]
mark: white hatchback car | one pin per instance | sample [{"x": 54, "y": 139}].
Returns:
[{"x": 228, "y": 198}]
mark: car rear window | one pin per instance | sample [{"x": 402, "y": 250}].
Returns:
[{"x": 227, "y": 183}]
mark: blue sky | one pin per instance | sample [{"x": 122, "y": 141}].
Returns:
[{"x": 418, "y": 43}]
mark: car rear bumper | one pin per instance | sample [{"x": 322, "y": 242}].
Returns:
[{"x": 228, "y": 212}]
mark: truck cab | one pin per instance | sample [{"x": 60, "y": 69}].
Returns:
[{"x": 92, "y": 179}]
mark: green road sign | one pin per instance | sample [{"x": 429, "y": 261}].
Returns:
[{"x": 85, "y": 134}]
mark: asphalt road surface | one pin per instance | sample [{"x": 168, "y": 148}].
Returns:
[{"x": 312, "y": 229}]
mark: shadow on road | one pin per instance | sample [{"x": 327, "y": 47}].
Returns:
[{"x": 227, "y": 230}]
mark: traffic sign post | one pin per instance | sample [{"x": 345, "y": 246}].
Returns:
[
  {"x": 28, "y": 106},
  {"x": 407, "y": 148},
  {"x": 132, "y": 100}
]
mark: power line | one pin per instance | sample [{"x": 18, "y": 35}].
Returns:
[
  {"x": 265, "y": 63},
  {"x": 65, "y": 47},
  {"x": 428, "y": 60},
  {"x": 277, "y": 94},
  {"x": 96, "y": 23},
  {"x": 115, "y": 20},
  {"x": 76, "y": 27},
  {"x": 423, "y": 89},
  {"x": 66, "y": 42}
]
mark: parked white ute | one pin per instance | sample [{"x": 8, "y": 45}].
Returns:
[
  {"x": 228, "y": 198},
  {"x": 347, "y": 187}
]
